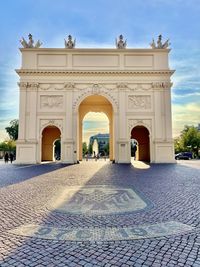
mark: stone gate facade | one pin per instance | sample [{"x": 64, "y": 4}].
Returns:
[{"x": 58, "y": 86}]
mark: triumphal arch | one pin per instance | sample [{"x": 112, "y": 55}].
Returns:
[{"x": 59, "y": 86}]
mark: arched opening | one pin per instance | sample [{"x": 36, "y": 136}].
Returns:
[
  {"x": 98, "y": 106},
  {"x": 50, "y": 138},
  {"x": 141, "y": 135},
  {"x": 96, "y": 135}
]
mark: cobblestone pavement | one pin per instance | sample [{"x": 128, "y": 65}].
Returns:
[{"x": 100, "y": 214}]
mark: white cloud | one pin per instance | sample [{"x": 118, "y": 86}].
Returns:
[
  {"x": 176, "y": 96},
  {"x": 95, "y": 116},
  {"x": 188, "y": 114},
  {"x": 3, "y": 135}
]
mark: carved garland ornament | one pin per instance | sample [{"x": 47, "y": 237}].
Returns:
[
  {"x": 69, "y": 85},
  {"x": 134, "y": 86},
  {"x": 122, "y": 86}
]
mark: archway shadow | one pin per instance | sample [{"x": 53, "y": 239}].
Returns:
[
  {"x": 145, "y": 180},
  {"x": 14, "y": 174}
]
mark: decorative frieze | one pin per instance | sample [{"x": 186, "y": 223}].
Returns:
[
  {"x": 51, "y": 101},
  {"x": 141, "y": 87},
  {"x": 51, "y": 86},
  {"x": 93, "y": 72},
  {"x": 139, "y": 102}
]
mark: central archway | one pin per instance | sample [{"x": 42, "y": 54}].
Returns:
[{"x": 96, "y": 103}]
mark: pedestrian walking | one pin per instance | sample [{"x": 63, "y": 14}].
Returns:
[
  {"x": 11, "y": 157},
  {"x": 6, "y": 157}
]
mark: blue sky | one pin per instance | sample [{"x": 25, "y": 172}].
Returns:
[{"x": 96, "y": 24}]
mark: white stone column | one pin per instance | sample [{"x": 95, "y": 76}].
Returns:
[
  {"x": 33, "y": 90},
  {"x": 22, "y": 111},
  {"x": 158, "y": 117},
  {"x": 75, "y": 136},
  {"x": 123, "y": 142},
  {"x": 68, "y": 126},
  {"x": 163, "y": 141},
  {"x": 122, "y": 114},
  {"x": 168, "y": 114}
]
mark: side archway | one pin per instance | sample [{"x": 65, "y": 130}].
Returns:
[
  {"x": 49, "y": 135},
  {"x": 141, "y": 135}
]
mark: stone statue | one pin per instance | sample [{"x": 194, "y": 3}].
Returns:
[
  {"x": 70, "y": 43},
  {"x": 30, "y": 43},
  {"x": 153, "y": 45},
  {"x": 120, "y": 43},
  {"x": 160, "y": 45}
]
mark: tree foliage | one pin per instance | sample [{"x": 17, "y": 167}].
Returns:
[
  {"x": 189, "y": 140},
  {"x": 90, "y": 149},
  {"x": 8, "y": 146},
  {"x": 106, "y": 149},
  {"x": 12, "y": 130},
  {"x": 85, "y": 150}
]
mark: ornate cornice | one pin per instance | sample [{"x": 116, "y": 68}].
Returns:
[{"x": 93, "y": 72}]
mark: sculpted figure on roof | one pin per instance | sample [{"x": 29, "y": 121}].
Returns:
[
  {"x": 70, "y": 43},
  {"x": 30, "y": 43},
  {"x": 120, "y": 43},
  {"x": 159, "y": 44}
]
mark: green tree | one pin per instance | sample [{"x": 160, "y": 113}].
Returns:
[
  {"x": 178, "y": 145},
  {"x": 107, "y": 149},
  {"x": 12, "y": 130},
  {"x": 190, "y": 138},
  {"x": 8, "y": 146},
  {"x": 90, "y": 149},
  {"x": 85, "y": 150}
]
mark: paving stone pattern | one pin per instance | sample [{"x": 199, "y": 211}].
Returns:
[{"x": 171, "y": 191}]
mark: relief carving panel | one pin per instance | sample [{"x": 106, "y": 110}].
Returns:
[
  {"x": 51, "y": 101},
  {"x": 141, "y": 102}
]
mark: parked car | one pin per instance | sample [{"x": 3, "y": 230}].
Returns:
[{"x": 184, "y": 155}]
